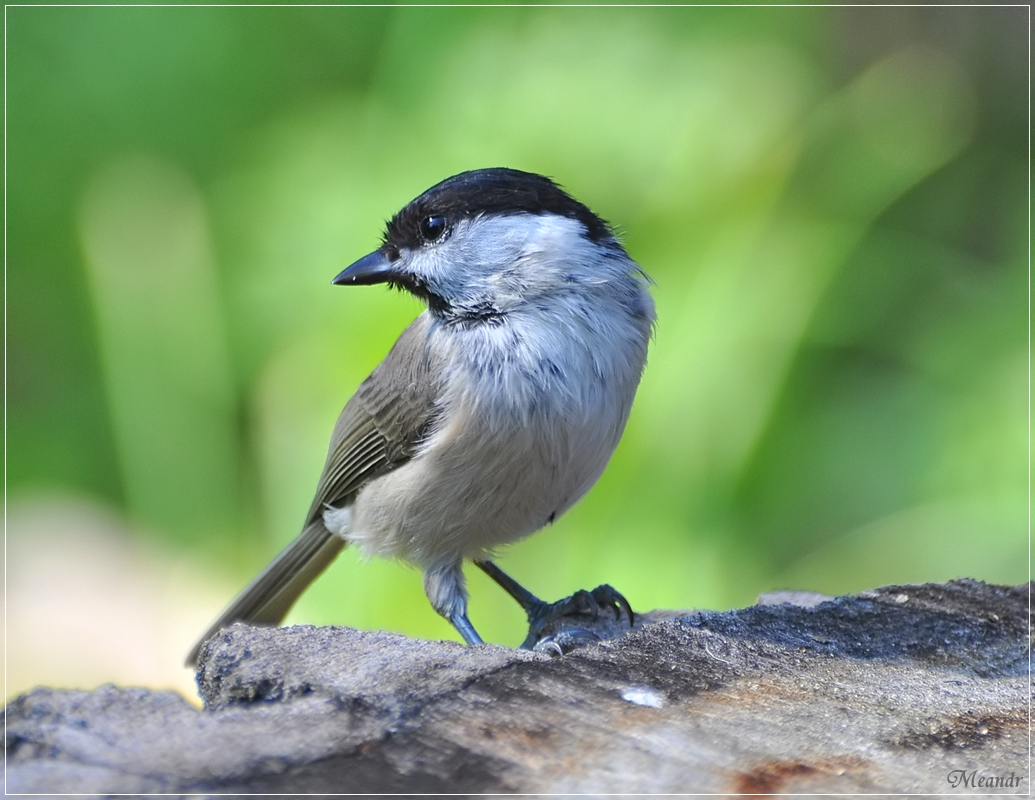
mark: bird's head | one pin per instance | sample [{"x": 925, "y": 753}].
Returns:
[{"x": 480, "y": 245}]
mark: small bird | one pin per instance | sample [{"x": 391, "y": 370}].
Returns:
[{"x": 496, "y": 409}]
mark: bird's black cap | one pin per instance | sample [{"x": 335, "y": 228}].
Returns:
[{"x": 493, "y": 191}]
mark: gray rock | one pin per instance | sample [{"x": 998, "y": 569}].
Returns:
[{"x": 908, "y": 689}]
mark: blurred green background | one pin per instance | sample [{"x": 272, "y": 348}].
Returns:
[{"x": 832, "y": 202}]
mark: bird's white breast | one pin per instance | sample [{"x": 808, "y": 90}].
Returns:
[{"x": 531, "y": 412}]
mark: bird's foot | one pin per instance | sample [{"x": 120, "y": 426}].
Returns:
[{"x": 558, "y": 628}]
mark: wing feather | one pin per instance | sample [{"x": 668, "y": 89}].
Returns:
[
  {"x": 379, "y": 429},
  {"x": 386, "y": 420}
]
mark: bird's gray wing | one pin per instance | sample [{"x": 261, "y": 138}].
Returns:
[
  {"x": 384, "y": 423},
  {"x": 379, "y": 429}
]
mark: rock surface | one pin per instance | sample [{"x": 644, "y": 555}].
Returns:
[{"x": 906, "y": 689}]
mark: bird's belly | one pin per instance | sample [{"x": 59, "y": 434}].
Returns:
[{"x": 472, "y": 489}]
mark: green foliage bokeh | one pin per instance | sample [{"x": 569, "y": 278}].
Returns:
[{"x": 831, "y": 201}]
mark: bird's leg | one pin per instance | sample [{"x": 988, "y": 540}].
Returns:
[
  {"x": 444, "y": 586},
  {"x": 544, "y": 633},
  {"x": 533, "y": 605},
  {"x": 465, "y": 628}
]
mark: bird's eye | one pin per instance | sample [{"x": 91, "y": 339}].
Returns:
[{"x": 432, "y": 228}]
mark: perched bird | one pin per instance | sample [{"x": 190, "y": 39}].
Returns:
[{"x": 496, "y": 409}]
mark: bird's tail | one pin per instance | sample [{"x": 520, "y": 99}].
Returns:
[{"x": 270, "y": 596}]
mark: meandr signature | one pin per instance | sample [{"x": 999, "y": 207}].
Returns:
[{"x": 962, "y": 779}]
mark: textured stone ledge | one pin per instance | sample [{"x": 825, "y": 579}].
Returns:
[{"x": 905, "y": 689}]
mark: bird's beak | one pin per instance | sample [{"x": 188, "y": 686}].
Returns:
[{"x": 372, "y": 268}]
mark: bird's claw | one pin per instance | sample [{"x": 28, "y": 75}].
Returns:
[
  {"x": 605, "y": 596},
  {"x": 547, "y": 632},
  {"x": 565, "y": 641}
]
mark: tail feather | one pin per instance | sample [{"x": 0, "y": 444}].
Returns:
[{"x": 270, "y": 596}]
